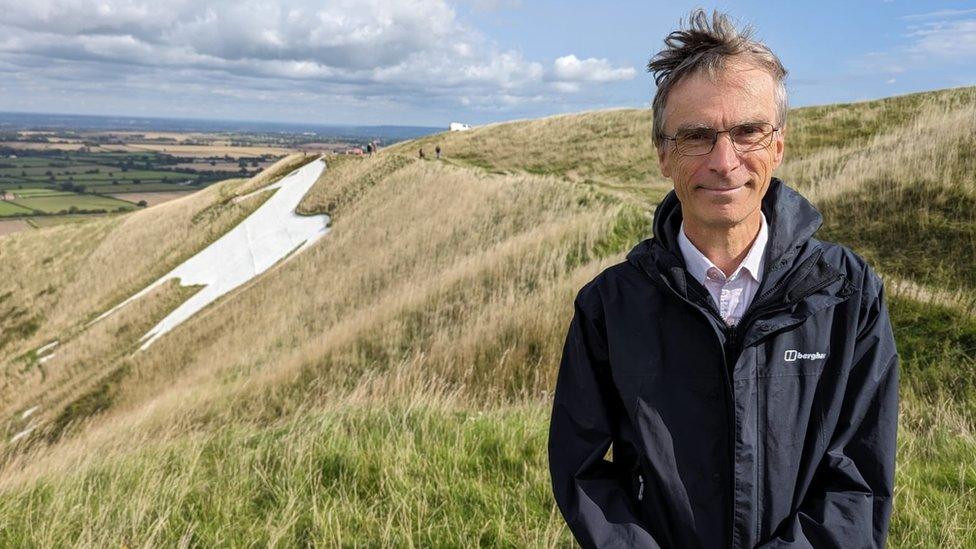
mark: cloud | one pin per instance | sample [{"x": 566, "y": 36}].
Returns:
[
  {"x": 405, "y": 52},
  {"x": 569, "y": 68},
  {"x": 937, "y": 39},
  {"x": 939, "y": 14},
  {"x": 495, "y": 5},
  {"x": 947, "y": 39}
]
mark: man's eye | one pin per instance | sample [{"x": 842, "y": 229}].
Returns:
[
  {"x": 749, "y": 129},
  {"x": 695, "y": 136}
]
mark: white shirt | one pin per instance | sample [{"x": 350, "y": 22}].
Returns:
[{"x": 734, "y": 293}]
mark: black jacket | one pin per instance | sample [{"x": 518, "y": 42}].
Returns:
[{"x": 777, "y": 432}]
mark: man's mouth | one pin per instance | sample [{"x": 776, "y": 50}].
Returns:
[{"x": 720, "y": 190}]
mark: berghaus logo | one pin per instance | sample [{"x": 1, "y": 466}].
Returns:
[{"x": 793, "y": 355}]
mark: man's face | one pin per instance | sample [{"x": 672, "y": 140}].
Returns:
[{"x": 724, "y": 187}]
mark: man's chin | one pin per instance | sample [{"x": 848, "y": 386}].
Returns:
[{"x": 719, "y": 218}]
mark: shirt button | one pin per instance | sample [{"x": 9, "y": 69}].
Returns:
[
  {"x": 716, "y": 477},
  {"x": 714, "y": 394}
]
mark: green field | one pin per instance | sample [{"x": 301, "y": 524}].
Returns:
[
  {"x": 88, "y": 169},
  {"x": 46, "y": 184},
  {"x": 64, "y": 203},
  {"x": 52, "y": 201},
  {"x": 8, "y": 208},
  {"x": 30, "y": 193},
  {"x": 143, "y": 187}
]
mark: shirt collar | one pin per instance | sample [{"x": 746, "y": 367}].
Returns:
[{"x": 698, "y": 264}]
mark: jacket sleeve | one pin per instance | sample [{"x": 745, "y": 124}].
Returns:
[
  {"x": 850, "y": 499},
  {"x": 590, "y": 493}
]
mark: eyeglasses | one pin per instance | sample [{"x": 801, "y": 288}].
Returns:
[{"x": 747, "y": 137}]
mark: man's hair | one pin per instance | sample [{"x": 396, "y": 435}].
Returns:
[{"x": 707, "y": 47}]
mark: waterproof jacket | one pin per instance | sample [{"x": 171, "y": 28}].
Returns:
[{"x": 777, "y": 432}]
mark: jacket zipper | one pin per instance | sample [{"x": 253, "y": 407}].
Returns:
[{"x": 732, "y": 352}]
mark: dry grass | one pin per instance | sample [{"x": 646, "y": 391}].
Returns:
[
  {"x": 610, "y": 150},
  {"x": 934, "y": 149},
  {"x": 480, "y": 274},
  {"x": 88, "y": 267}
]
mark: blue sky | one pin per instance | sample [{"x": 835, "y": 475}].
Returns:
[{"x": 430, "y": 62}]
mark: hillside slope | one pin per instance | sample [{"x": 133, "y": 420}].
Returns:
[{"x": 390, "y": 385}]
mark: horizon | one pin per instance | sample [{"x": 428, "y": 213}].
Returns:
[
  {"x": 329, "y": 125},
  {"x": 217, "y": 120}
]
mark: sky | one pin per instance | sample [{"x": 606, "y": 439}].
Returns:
[{"x": 432, "y": 62}]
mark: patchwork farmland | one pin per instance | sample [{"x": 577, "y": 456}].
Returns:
[{"x": 49, "y": 172}]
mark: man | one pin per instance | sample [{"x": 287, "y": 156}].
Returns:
[{"x": 744, "y": 372}]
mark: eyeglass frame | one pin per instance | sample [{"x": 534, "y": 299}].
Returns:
[{"x": 768, "y": 136}]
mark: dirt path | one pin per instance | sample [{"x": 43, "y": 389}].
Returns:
[{"x": 10, "y": 226}]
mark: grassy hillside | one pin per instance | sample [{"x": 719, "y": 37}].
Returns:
[{"x": 391, "y": 385}]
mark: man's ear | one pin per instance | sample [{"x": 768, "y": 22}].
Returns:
[
  {"x": 779, "y": 146},
  {"x": 663, "y": 160}
]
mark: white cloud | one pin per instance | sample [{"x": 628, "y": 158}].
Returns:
[
  {"x": 931, "y": 43},
  {"x": 939, "y": 14},
  {"x": 953, "y": 39},
  {"x": 569, "y": 68},
  {"x": 566, "y": 87},
  {"x": 401, "y": 52}
]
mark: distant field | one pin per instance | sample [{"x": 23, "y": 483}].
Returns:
[
  {"x": 29, "y": 146},
  {"x": 142, "y": 187},
  {"x": 151, "y": 198},
  {"x": 30, "y": 193},
  {"x": 50, "y": 184},
  {"x": 8, "y": 208},
  {"x": 55, "y": 204},
  {"x": 197, "y": 150},
  {"x": 220, "y": 166}
]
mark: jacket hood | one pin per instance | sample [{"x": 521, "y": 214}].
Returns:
[{"x": 791, "y": 218}]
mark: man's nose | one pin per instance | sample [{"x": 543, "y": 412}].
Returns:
[{"x": 723, "y": 158}]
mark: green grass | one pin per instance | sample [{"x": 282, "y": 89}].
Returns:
[
  {"x": 913, "y": 230},
  {"x": 374, "y": 476},
  {"x": 937, "y": 347},
  {"x": 387, "y": 476},
  {"x": 813, "y": 129},
  {"x": 935, "y": 490}
]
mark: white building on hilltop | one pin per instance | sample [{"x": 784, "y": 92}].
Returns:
[{"x": 459, "y": 127}]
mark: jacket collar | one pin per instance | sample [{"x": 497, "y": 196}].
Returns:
[{"x": 792, "y": 222}]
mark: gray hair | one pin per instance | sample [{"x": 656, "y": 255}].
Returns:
[{"x": 707, "y": 47}]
